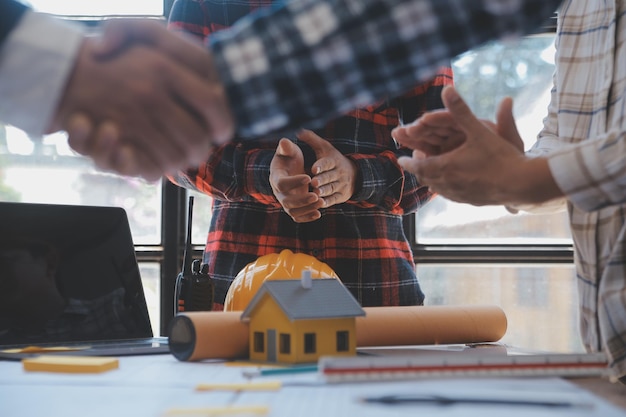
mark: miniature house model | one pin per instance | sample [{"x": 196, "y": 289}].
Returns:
[{"x": 299, "y": 320}]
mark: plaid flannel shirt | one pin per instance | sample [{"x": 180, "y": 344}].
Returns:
[
  {"x": 309, "y": 60},
  {"x": 363, "y": 239},
  {"x": 586, "y": 129},
  {"x": 10, "y": 14}
]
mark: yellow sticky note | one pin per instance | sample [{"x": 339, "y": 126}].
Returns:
[
  {"x": 245, "y": 386},
  {"x": 70, "y": 364},
  {"x": 41, "y": 349},
  {"x": 232, "y": 410}
]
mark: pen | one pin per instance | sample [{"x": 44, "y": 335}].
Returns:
[
  {"x": 280, "y": 371},
  {"x": 443, "y": 400}
]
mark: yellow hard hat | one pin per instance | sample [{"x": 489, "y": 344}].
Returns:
[{"x": 283, "y": 265}]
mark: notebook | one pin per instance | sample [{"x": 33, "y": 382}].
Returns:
[{"x": 69, "y": 278}]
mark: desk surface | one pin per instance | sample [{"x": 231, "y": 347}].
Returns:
[
  {"x": 614, "y": 393},
  {"x": 152, "y": 385}
]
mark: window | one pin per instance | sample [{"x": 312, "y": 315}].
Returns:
[
  {"x": 521, "y": 291},
  {"x": 284, "y": 343},
  {"x": 309, "y": 343},
  {"x": 343, "y": 341},
  {"x": 259, "y": 342},
  {"x": 485, "y": 76},
  {"x": 457, "y": 247},
  {"x": 46, "y": 170},
  {"x": 99, "y": 7},
  {"x": 486, "y": 255}
]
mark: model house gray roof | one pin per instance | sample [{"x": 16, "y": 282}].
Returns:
[{"x": 326, "y": 298}]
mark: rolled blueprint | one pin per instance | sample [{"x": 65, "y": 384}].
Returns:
[{"x": 203, "y": 335}]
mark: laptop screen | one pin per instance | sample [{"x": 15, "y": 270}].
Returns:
[{"x": 68, "y": 274}]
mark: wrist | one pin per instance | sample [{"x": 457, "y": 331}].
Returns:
[
  {"x": 357, "y": 182},
  {"x": 535, "y": 183}
]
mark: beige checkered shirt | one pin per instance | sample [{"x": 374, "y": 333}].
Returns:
[{"x": 585, "y": 133}]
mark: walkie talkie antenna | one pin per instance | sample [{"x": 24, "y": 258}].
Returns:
[
  {"x": 194, "y": 287},
  {"x": 188, "y": 249}
]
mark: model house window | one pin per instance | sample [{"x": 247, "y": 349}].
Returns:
[
  {"x": 284, "y": 343},
  {"x": 343, "y": 341},
  {"x": 310, "y": 343},
  {"x": 259, "y": 342}
]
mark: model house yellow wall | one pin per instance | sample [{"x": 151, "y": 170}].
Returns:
[
  {"x": 297, "y": 341},
  {"x": 326, "y": 338},
  {"x": 298, "y": 321}
]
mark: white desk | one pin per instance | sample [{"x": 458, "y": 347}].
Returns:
[{"x": 150, "y": 385}]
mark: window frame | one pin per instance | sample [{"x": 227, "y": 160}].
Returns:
[
  {"x": 174, "y": 209},
  {"x": 258, "y": 342},
  {"x": 169, "y": 253},
  {"x": 284, "y": 343},
  {"x": 309, "y": 343},
  {"x": 343, "y": 340}
]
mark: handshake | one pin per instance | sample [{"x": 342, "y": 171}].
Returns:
[{"x": 143, "y": 101}]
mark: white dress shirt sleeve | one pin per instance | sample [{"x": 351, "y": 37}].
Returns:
[{"x": 35, "y": 62}]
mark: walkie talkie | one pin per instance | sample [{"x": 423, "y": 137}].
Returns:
[{"x": 194, "y": 287}]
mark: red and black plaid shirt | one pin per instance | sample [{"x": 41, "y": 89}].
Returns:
[{"x": 363, "y": 239}]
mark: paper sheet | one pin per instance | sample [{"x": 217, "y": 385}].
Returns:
[{"x": 150, "y": 385}]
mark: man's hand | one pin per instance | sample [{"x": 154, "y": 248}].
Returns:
[
  {"x": 334, "y": 175},
  {"x": 290, "y": 183},
  {"x": 487, "y": 166},
  {"x": 143, "y": 101},
  {"x": 438, "y": 132},
  {"x": 433, "y": 133}
]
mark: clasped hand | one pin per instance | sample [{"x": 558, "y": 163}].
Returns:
[
  {"x": 329, "y": 181},
  {"x": 143, "y": 101},
  {"x": 464, "y": 158}
]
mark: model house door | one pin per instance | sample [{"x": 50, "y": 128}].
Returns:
[{"x": 271, "y": 345}]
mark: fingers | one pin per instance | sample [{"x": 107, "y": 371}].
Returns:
[
  {"x": 79, "y": 128},
  {"x": 298, "y": 202},
  {"x": 461, "y": 113},
  {"x": 165, "y": 116},
  {"x": 506, "y": 126},
  {"x": 481, "y": 169},
  {"x": 293, "y": 196},
  {"x": 334, "y": 173},
  {"x": 306, "y": 217},
  {"x": 324, "y": 168},
  {"x": 317, "y": 143},
  {"x": 322, "y": 148},
  {"x": 433, "y": 133},
  {"x": 428, "y": 139},
  {"x": 201, "y": 112},
  {"x": 118, "y": 34},
  {"x": 287, "y": 148},
  {"x": 291, "y": 185},
  {"x": 106, "y": 151},
  {"x": 209, "y": 104},
  {"x": 288, "y": 162},
  {"x": 412, "y": 164}
]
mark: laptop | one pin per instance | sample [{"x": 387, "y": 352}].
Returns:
[{"x": 69, "y": 281}]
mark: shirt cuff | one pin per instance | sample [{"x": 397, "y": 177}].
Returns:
[
  {"x": 581, "y": 186},
  {"x": 35, "y": 62}
]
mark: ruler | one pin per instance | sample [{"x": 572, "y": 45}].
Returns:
[{"x": 354, "y": 369}]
